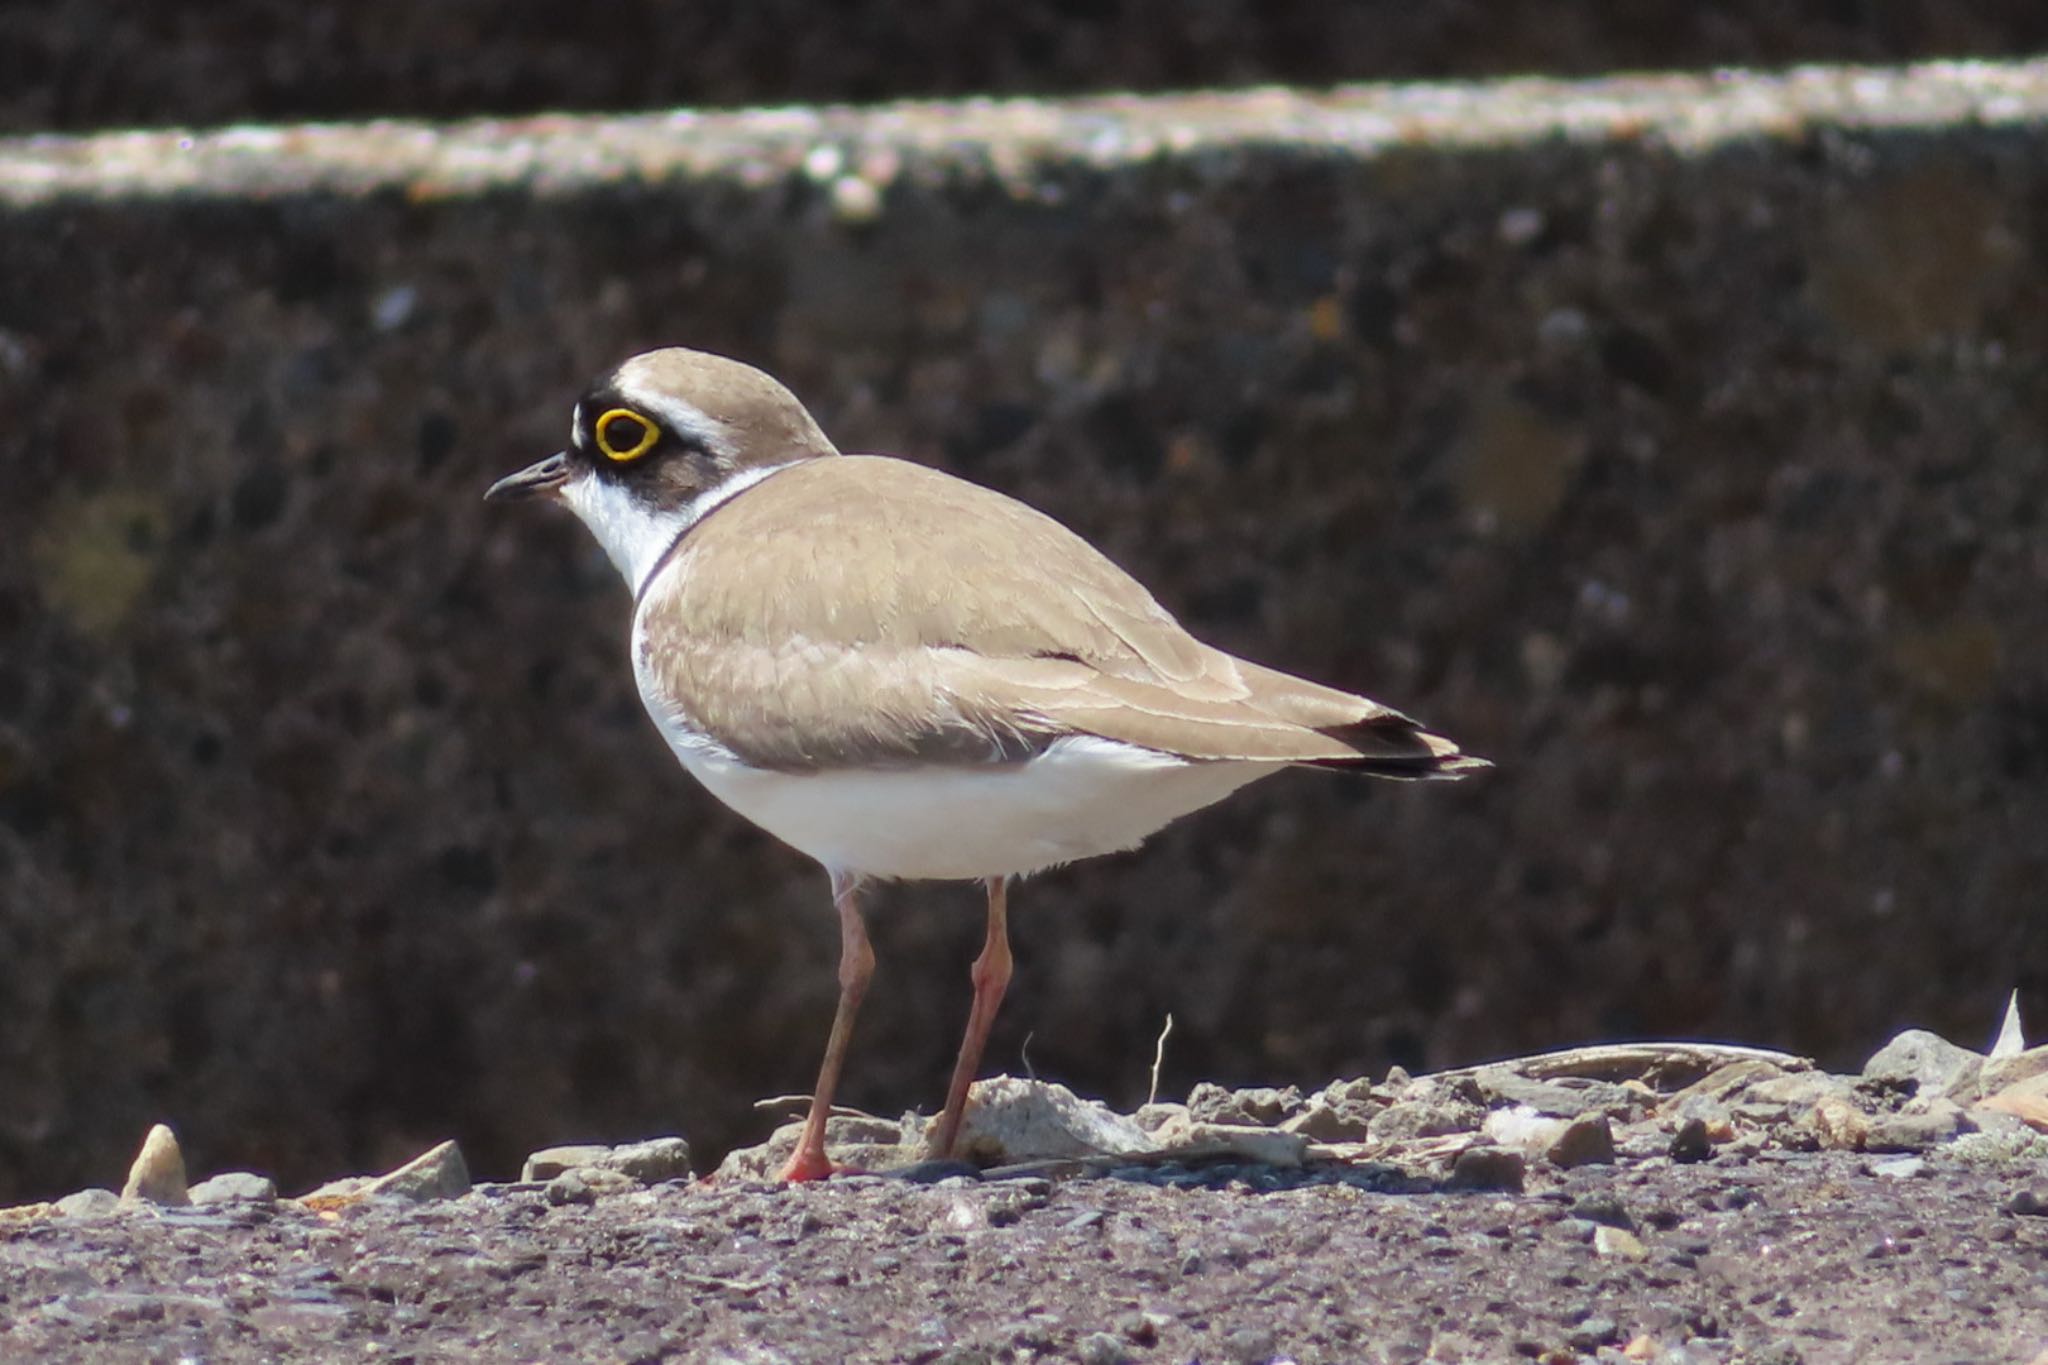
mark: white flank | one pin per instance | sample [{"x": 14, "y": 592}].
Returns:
[{"x": 1082, "y": 797}]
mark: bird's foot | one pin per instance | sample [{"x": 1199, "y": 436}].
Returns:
[{"x": 807, "y": 1165}]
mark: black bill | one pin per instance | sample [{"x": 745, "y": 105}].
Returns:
[{"x": 544, "y": 476}]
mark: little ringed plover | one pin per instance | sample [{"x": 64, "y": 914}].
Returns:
[{"x": 906, "y": 675}]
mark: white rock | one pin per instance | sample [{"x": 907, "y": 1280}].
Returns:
[
  {"x": 158, "y": 1175},
  {"x": 1521, "y": 1127},
  {"x": 1011, "y": 1120},
  {"x": 2011, "y": 1039},
  {"x": 89, "y": 1204}
]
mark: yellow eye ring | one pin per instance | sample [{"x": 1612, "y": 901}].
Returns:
[{"x": 601, "y": 429}]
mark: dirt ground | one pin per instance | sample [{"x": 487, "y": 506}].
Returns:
[{"x": 1779, "y": 1257}]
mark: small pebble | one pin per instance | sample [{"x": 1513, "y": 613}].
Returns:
[
  {"x": 586, "y": 1185},
  {"x": 1604, "y": 1208},
  {"x": 1617, "y": 1242},
  {"x": 1100, "y": 1348},
  {"x": 1487, "y": 1168},
  {"x": 1587, "y": 1140},
  {"x": 1592, "y": 1334},
  {"x": 1691, "y": 1142}
]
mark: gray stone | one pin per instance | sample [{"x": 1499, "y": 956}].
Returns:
[
  {"x": 1245, "y": 1141},
  {"x": 649, "y": 1162},
  {"x": 1798, "y": 1089},
  {"x": 1103, "y": 1348},
  {"x": 1592, "y": 1334},
  {"x": 230, "y": 1186},
  {"x": 1619, "y": 1243},
  {"x": 1714, "y": 1113},
  {"x": 550, "y": 1162},
  {"x": 89, "y": 1204},
  {"x": 652, "y": 1161},
  {"x": 1561, "y": 1099},
  {"x": 1152, "y": 1117},
  {"x": 437, "y": 1173},
  {"x": 587, "y": 1185},
  {"x": 1910, "y": 1131},
  {"x": 1724, "y": 1081},
  {"x": 342, "y": 1190},
  {"x": 1605, "y": 1208},
  {"x": 1586, "y": 1141},
  {"x": 1211, "y": 1103},
  {"x": 158, "y": 1175},
  {"x": 1924, "y": 1063},
  {"x": 1334, "y": 1118},
  {"x": 1487, "y": 1168},
  {"x": 1419, "y": 1119},
  {"x": 2010, "y": 1070}
]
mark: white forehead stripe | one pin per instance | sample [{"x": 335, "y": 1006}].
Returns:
[{"x": 686, "y": 420}]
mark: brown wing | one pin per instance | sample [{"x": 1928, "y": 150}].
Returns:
[{"x": 863, "y": 611}]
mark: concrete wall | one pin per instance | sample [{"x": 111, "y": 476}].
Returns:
[
  {"x": 1679, "y": 444},
  {"x": 81, "y": 64}
]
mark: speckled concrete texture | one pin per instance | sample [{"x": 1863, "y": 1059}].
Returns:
[
  {"x": 103, "y": 63},
  {"x": 1678, "y": 444}
]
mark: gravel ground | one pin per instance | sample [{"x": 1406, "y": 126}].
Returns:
[{"x": 1772, "y": 1257}]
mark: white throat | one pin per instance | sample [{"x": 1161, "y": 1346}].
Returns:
[{"x": 636, "y": 535}]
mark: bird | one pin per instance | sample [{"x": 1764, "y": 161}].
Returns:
[{"x": 906, "y": 675}]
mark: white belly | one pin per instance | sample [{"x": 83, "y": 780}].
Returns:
[{"x": 1080, "y": 798}]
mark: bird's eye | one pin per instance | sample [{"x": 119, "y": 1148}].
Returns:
[{"x": 625, "y": 435}]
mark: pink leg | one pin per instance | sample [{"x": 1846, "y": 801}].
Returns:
[
  {"x": 856, "y": 966},
  {"x": 991, "y": 976}
]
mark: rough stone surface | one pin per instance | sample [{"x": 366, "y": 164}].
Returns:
[
  {"x": 437, "y": 1173},
  {"x": 867, "y": 1271},
  {"x": 90, "y": 1204},
  {"x": 588, "y": 1184},
  {"x": 1586, "y": 1141},
  {"x": 1010, "y": 1120},
  {"x": 1839, "y": 1124},
  {"x": 648, "y": 1162},
  {"x": 1915, "y": 1132},
  {"x": 234, "y": 1185},
  {"x": 1487, "y": 1168},
  {"x": 550, "y": 1162},
  {"x": 158, "y": 1173},
  {"x": 860, "y": 1143},
  {"x": 1684, "y": 459},
  {"x": 2001, "y": 1072},
  {"x": 1211, "y": 1103},
  {"x": 1924, "y": 1063}
]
